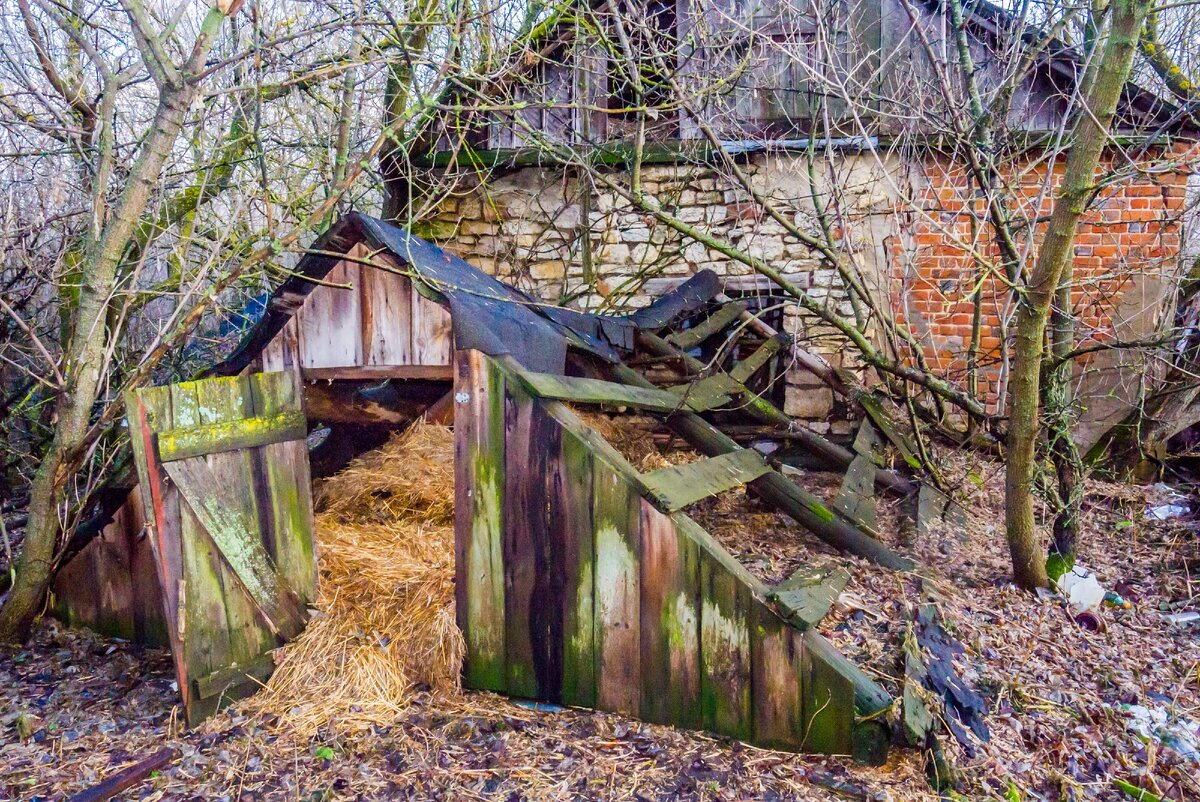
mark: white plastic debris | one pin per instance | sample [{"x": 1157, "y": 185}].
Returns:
[
  {"x": 1165, "y": 512},
  {"x": 1179, "y": 733},
  {"x": 1186, "y": 619},
  {"x": 1083, "y": 591}
]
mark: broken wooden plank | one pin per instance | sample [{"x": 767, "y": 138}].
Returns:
[
  {"x": 856, "y": 497},
  {"x": 126, "y": 778},
  {"x": 742, "y": 371},
  {"x": 806, "y": 596},
  {"x": 867, "y": 442},
  {"x": 934, "y": 505},
  {"x": 571, "y": 511},
  {"x": 231, "y": 435},
  {"x": 716, "y": 322},
  {"x": 670, "y": 622},
  {"x": 879, "y": 416},
  {"x": 616, "y": 516},
  {"x": 777, "y": 667},
  {"x": 869, "y": 734},
  {"x": 711, "y": 392},
  {"x": 680, "y": 485},
  {"x": 595, "y": 391}
]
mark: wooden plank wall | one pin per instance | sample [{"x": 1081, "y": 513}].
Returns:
[
  {"x": 112, "y": 586},
  {"x": 573, "y": 588},
  {"x": 217, "y": 631},
  {"x": 375, "y": 318}
]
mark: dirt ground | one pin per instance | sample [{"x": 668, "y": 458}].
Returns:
[{"x": 74, "y": 708}]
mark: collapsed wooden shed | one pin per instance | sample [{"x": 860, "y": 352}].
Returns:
[{"x": 579, "y": 579}]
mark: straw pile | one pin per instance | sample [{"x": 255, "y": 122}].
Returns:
[{"x": 385, "y": 621}]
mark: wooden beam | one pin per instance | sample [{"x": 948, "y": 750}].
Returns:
[
  {"x": 742, "y": 371},
  {"x": 716, "y": 322},
  {"x": 215, "y": 438},
  {"x": 594, "y": 391},
  {"x": 676, "y": 487},
  {"x": 370, "y": 372},
  {"x": 776, "y": 489},
  {"x": 764, "y": 410}
]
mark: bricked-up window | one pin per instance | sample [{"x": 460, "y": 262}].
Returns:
[{"x": 651, "y": 28}]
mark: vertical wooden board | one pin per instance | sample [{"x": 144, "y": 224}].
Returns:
[
  {"x": 111, "y": 571},
  {"x": 76, "y": 591},
  {"x": 149, "y": 625},
  {"x": 332, "y": 321},
  {"x": 283, "y": 352},
  {"x": 387, "y": 317},
  {"x": 524, "y": 498},
  {"x": 670, "y": 622},
  {"x": 283, "y": 475},
  {"x": 479, "y": 463},
  {"x": 724, "y": 650},
  {"x": 548, "y": 604},
  {"x": 572, "y": 517},
  {"x": 431, "y": 336},
  {"x": 777, "y": 676},
  {"x": 828, "y": 707},
  {"x": 616, "y": 516},
  {"x": 222, "y": 400},
  {"x": 203, "y": 625}
]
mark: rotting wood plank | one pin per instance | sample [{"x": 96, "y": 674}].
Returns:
[
  {"x": 222, "y": 399},
  {"x": 711, "y": 392},
  {"x": 254, "y": 672},
  {"x": 231, "y": 435},
  {"x": 828, "y": 706},
  {"x": 777, "y": 678},
  {"x": 678, "y": 486},
  {"x": 806, "y": 596},
  {"x": 883, "y": 422},
  {"x": 215, "y": 505},
  {"x": 332, "y": 320},
  {"x": 670, "y": 623},
  {"x": 616, "y": 514},
  {"x": 203, "y": 625},
  {"x": 386, "y": 316},
  {"x": 742, "y": 371},
  {"x": 856, "y": 496},
  {"x": 776, "y": 489},
  {"x": 479, "y": 462},
  {"x": 716, "y": 322},
  {"x": 284, "y": 470},
  {"x": 869, "y": 736},
  {"x": 524, "y": 505},
  {"x": 725, "y": 679},
  {"x": 595, "y": 391},
  {"x": 571, "y": 510},
  {"x": 431, "y": 331}
]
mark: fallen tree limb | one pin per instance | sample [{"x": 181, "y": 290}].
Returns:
[{"x": 126, "y": 778}]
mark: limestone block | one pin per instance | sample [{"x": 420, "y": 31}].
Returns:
[
  {"x": 543, "y": 271},
  {"x": 807, "y": 403}
]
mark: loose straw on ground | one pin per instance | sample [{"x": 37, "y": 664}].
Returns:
[{"x": 385, "y": 608}]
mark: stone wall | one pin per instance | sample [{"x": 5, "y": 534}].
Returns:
[{"x": 566, "y": 241}]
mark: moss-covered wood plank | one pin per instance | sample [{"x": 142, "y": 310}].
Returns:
[
  {"x": 594, "y": 391},
  {"x": 717, "y": 322},
  {"x": 777, "y": 678},
  {"x": 478, "y": 523},
  {"x": 744, "y": 370},
  {"x": 616, "y": 514},
  {"x": 725, "y": 684},
  {"x": 678, "y": 486},
  {"x": 670, "y": 623},
  {"x": 283, "y": 480},
  {"x": 203, "y": 627},
  {"x": 231, "y": 435},
  {"x": 806, "y": 596},
  {"x": 572, "y": 513}
]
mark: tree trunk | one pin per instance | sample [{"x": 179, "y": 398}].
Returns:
[
  {"x": 1090, "y": 135},
  {"x": 89, "y": 343}
]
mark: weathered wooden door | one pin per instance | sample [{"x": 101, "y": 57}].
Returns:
[{"x": 223, "y": 470}]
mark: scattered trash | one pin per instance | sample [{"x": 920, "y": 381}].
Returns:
[
  {"x": 1188, "y": 619},
  {"x": 1090, "y": 621},
  {"x": 1114, "y": 599},
  {"x": 1158, "y": 724},
  {"x": 1083, "y": 591},
  {"x": 1165, "y": 512}
]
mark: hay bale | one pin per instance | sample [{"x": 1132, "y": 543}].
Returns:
[{"x": 385, "y": 607}]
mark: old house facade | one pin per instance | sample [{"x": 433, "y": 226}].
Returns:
[{"x": 838, "y": 115}]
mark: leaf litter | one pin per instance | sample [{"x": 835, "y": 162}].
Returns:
[{"x": 366, "y": 705}]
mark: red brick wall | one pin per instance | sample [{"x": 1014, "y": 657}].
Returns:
[{"x": 942, "y": 258}]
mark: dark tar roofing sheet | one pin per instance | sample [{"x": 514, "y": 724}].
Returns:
[{"x": 488, "y": 315}]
